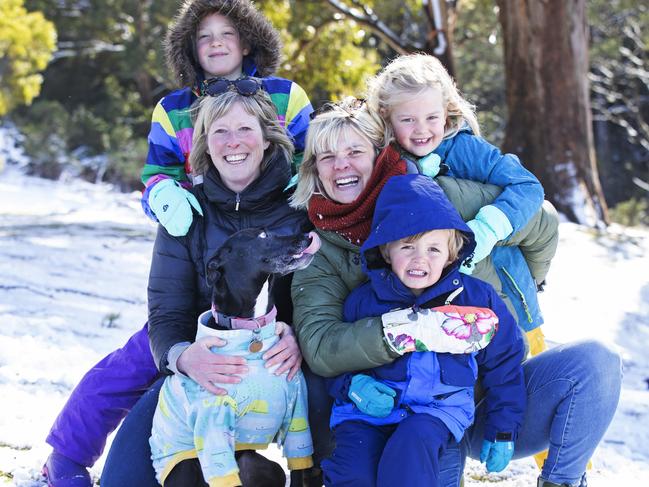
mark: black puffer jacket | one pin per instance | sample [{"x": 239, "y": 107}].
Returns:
[{"x": 177, "y": 291}]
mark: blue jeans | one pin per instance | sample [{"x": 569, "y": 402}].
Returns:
[
  {"x": 572, "y": 392},
  {"x": 128, "y": 463}
]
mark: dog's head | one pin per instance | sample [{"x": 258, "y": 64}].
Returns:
[{"x": 247, "y": 259}]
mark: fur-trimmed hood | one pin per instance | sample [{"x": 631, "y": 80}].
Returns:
[{"x": 254, "y": 28}]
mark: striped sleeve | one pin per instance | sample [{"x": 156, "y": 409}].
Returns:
[
  {"x": 293, "y": 110},
  {"x": 170, "y": 140}
]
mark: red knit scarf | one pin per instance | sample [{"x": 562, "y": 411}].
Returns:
[{"x": 353, "y": 220}]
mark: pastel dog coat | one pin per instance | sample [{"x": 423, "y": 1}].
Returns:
[{"x": 191, "y": 422}]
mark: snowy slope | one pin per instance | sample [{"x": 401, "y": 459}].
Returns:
[{"x": 74, "y": 260}]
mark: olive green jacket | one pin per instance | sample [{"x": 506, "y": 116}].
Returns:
[{"x": 331, "y": 346}]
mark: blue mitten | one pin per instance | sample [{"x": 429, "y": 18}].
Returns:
[
  {"x": 430, "y": 164},
  {"x": 371, "y": 396},
  {"x": 172, "y": 205},
  {"x": 497, "y": 454},
  {"x": 489, "y": 227}
]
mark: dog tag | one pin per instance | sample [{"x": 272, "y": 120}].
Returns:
[{"x": 255, "y": 344}]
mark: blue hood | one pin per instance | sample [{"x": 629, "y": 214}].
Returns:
[{"x": 409, "y": 205}]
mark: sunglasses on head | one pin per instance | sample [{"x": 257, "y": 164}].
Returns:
[
  {"x": 328, "y": 107},
  {"x": 243, "y": 86}
]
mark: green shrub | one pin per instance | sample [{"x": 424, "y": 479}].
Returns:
[
  {"x": 80, "y": 144},
  {"x": 631, "y": 213}
]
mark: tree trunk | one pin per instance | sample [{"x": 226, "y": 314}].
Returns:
[
  {"x": 433, "y": 45},
  {"x": 549, "y": 124}
]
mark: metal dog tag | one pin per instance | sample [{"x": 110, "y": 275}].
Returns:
[{"x": 255, "y": 344}]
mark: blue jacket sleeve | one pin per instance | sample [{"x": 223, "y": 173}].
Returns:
[
  {"x": 501, "y": 372},
  {"x": 472, "y": 157}
]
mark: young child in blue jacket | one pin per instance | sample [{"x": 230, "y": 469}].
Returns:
[
  {"x": 392, "y": 423},
  {"x": 212, "y": 45}
]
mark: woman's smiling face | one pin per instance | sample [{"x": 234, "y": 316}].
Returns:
[
  {"x": 344, "y": 172},
  {"x": 236, "y": 146}
]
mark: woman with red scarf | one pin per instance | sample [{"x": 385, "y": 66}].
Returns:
[{"x": 343, "y": 171}]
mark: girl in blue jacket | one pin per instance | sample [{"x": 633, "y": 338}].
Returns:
[{"x": 405, "y": 414}]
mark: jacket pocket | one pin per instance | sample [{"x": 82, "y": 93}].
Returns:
[{"x": 456, "y": 370}]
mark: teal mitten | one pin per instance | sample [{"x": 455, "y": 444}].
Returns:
[
  {"x": 172, "y": 205},
  {"x": 371, "y": 396},
  {"x": 489, "y": 227},
  {"x": 430, "y": 164},
  {"x": 497, "y": 454}
]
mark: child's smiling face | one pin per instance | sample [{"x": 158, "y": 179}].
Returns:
[
  {"x": 418, "y": 122},
  {"x": 219, "y": 47}
]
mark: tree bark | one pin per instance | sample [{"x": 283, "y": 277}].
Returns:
[
  {"x": 441, "y": 47},
  {"x": 549, "y": 123}
]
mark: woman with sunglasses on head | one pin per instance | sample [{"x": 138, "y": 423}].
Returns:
[
  {"x": 212, "y": 46},
  {"x": 243, "y": 156},
  {"x": 572, "y": 389}
]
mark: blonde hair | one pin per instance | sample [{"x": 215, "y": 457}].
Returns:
[
  {"x": 325, "y": 133},
  {"x": 408, "y": 76},
  {"x": 207, "y": 109},
  {"x": 456, "y": 240}
]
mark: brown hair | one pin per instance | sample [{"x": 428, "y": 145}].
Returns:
[{"x": 207, "y": 109}]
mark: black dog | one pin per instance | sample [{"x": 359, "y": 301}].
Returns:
[
  {"x": 241, "y": 275},
  {"x": 242, "y": 272}
]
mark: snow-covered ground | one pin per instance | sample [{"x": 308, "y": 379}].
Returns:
[{"x": 74, "y": 261}]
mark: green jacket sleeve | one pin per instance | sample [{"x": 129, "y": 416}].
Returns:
[
  {"x": 329, "y": 345},
  {"x": 537, "y": 240}
]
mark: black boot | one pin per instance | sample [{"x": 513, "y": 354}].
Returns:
[
  {"x": 311, "y": 477},
  {"x": 546, "y": 483}
]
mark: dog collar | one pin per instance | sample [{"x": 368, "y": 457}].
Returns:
[{"x": 234, "y": 323}]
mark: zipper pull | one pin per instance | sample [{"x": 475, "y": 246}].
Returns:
[{"x": 236, "y": 206}]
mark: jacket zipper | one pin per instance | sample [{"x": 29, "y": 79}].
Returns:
[
  {"x": 236, "y": 204},
  {"x": 526, "y": 308}
]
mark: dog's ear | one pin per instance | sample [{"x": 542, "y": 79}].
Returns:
[
  {"x": 213, "y": 271},
  {"x": 215, "y": 264}
]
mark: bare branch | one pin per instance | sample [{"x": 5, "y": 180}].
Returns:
[
  {"x": 72, "y": 49},
  {"x": 364, "y": 15}
]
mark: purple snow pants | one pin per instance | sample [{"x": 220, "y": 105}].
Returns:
[{"x": 101, "y": 400}]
